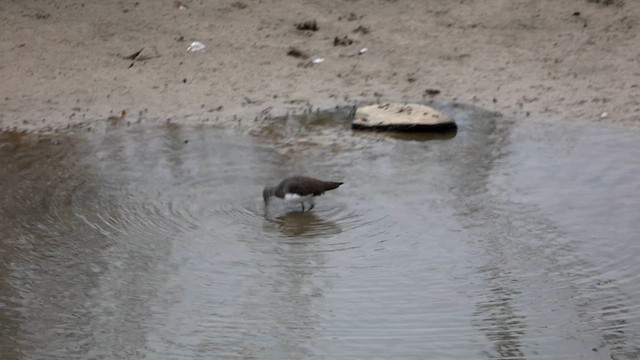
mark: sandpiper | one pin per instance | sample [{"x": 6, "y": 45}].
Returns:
[{"x": 299, "y": 189}]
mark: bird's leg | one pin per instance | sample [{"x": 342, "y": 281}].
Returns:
[
  {"x": 311, "y": 204},
  {"x": 302, "y": 204}
]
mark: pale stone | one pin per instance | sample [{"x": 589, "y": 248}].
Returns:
[{"x": 401, "y": 117}]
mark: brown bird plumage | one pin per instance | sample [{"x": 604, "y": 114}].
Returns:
[{"x": 299, "y": 189}]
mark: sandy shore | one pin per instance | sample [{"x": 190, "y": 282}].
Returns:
[{"x": 63, "y": 63}]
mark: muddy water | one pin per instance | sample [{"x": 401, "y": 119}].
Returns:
[{"x": 502, "y": 241}]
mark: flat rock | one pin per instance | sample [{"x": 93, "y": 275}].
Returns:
[{"x": 401, "y": 117}]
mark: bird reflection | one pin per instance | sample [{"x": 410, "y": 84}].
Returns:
[{"x": 304, "y": 224}]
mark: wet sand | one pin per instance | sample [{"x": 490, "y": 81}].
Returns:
[{"x": 62, "y": 63}]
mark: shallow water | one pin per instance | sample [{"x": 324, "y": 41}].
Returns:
[{"x": 506, "y": 241}]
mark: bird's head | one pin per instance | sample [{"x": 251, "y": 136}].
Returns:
[{"x": 267, "y": 193}]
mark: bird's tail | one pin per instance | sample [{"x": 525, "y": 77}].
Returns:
[{"x": 329, "y": 185}]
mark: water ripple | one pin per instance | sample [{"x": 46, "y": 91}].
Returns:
[{"x": 501, "y": 242}]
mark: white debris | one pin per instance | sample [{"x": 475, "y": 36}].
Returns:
[
  {"x": 604, "y": 115},
  {"x": 362, "y": 51},
  {"x": 318, "y": 61},
  {"x": 195, "y": 46}
]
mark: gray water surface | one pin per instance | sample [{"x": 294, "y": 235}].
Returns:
[{"x": 509, "y": 240}]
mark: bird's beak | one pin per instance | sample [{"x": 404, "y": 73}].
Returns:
[{"x": 266, "y": 195}]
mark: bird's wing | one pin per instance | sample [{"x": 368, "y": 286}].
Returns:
[{"x": 305, "y": 187}]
